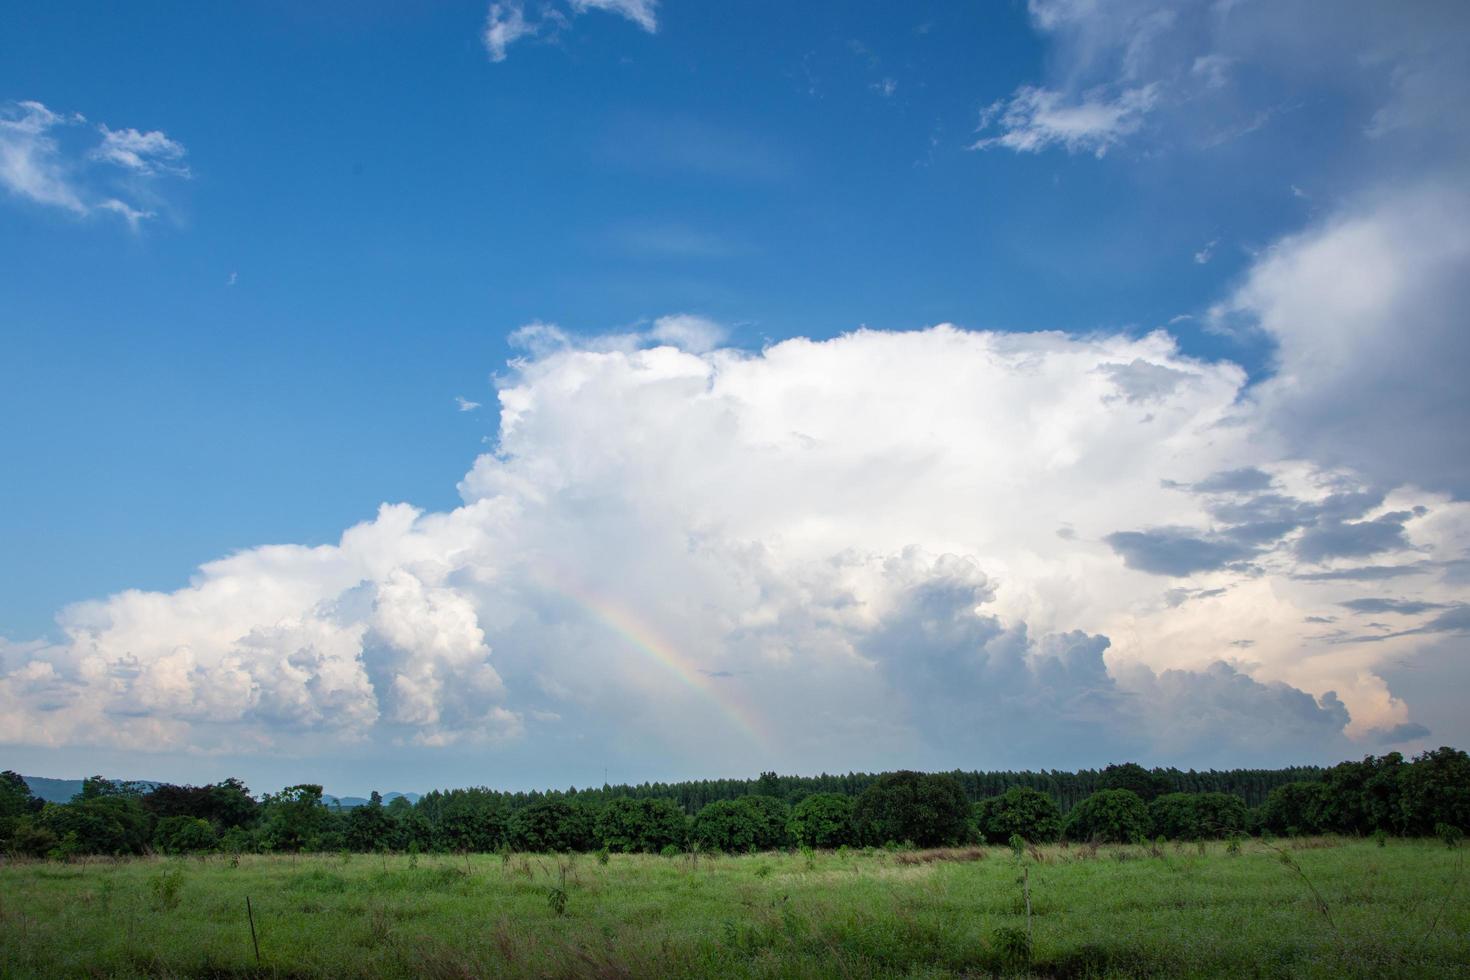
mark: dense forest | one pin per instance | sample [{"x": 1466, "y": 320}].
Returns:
[{"x": 1385, "y": 795}]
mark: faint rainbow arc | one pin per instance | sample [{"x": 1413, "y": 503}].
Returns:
[{"x": 643, "y": 638}]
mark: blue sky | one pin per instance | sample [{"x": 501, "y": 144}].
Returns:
[{"x": 254, "y": 254}]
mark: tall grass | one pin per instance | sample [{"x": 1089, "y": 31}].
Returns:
[{"x": 1122, "y": 911}]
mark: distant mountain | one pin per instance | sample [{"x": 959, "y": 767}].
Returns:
[
  {"x": 348, "y": 802},
  {"x": 62, "y": 790}
]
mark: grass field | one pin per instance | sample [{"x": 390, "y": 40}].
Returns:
[{"x": 1400, "y": 910}]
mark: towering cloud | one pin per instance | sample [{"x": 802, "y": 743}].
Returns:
[{"x": 785, "y": 555}]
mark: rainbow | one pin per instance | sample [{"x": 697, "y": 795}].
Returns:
[{"x": 643, "y": 638}]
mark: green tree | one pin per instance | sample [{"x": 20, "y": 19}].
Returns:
[
  {"x": 99, "y": 823},
  {"x": 648, "y": 825},
  {"x": 552, "y": 824},
  {"x": 1132, "y": 776},
  {"x": 16, "y": 801},
  {"x": 1294, "y": 809},
  {"x": 184, "y": 835},
  {"x": 750, "y": 822},
  {"x": 1197, "y": 816},
  {"x": 823, "y": 820},
  {"x": 928, "y": 809},
  {"x": 369, "y": 827},
  {"x": 295, "y": 818},
  {"x": 1436, "y": 790},
  {"x": 1110, "y": 816},
  {"x": 1021, "y": 811}
]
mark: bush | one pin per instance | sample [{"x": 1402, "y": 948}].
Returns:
[
  {"x": 929, "y": 810},
  {"x": 1019, "y": 811},
  {"x": 1449, "y": 834},
  {"x": 1111, "y": 816},
  {"x": 823, "y": 820}
]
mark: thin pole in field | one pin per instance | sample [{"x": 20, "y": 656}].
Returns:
[{"x": 253, "y": 941}]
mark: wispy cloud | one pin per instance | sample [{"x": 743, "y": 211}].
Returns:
[
  {"x": 465, "y": 405},
  {"x": 644, "y": 13},
  {"x": 1035, "y": 119},
  {"x": 142, "y": 153},
  {"x": 506, "y": 22},
  {"x": 37, "y": 165}
]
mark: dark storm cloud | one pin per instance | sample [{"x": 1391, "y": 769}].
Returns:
[
  {"x": 1366, "y": 573},
  {"x": 1406, "y": 732},
  {"x": 1343, "y": 539},
  {"x": 1407, "y": 607},
  {"x": 1176, "y": 551},
  {"x": 1244, "y": 480},
  {"x": 973, "y": 681}
]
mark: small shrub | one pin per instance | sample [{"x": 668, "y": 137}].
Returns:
[
  {"x": 1380, "y": 837},
  {"x": 762, "y": 870},
  {"x": 1018, "y": 845},
  {"x": 671, "y": 851},
  {"x": 1012, "y": 948},
  {"x": 602, "y": 855},
  {"x": 1450, "y": 835},
  {"x": 166, "y": 888},
  {"x": 1232, "y": 844},
  {"x": 556, "y": 899}
]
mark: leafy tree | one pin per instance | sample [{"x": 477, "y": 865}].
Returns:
[
  {"x": 32, "y": 839},
  {"x": 648, "y": 825},
  {"x": 928, "y": 809},
  {"x": 1197, "y": 816},
  {"x": 1131, "y": 776},
  {"x": 726, "y": 825},
  {"x": 551, "y": 825},
  {"x": 184, "y": 835},
  {"x": 99, "y": 823},
  {"x": 1294, "y": 809},
  {"x": 16, "y": 801},
  {"x": 295, "y": 818},
  {"x": 225, "y": 804},
  {"x": 1022, "y": 811},
  {"x": 369, "y": 828},
  {"x": 751, "y": 822},
  {"x": 1436, "y": 790},
  {"x": 823, "y": 820},
  {"x": 1111, "y": 816},
  {"x": 462, "y": 820}
]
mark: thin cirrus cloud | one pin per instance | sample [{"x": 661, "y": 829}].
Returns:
[
  {"x": 506, "y": 22},
  {"x": 42, "y": 162}
]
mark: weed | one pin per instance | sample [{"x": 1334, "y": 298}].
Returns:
[{"x": 1449, "y": 835}]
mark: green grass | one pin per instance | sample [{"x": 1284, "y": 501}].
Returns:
[{"x": 1402, "y": 910}]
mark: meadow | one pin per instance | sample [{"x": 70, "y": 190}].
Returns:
[{"x": 1310, "y": 907}]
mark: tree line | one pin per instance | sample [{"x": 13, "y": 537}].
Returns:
[{"x": 1385, "y": 795}]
